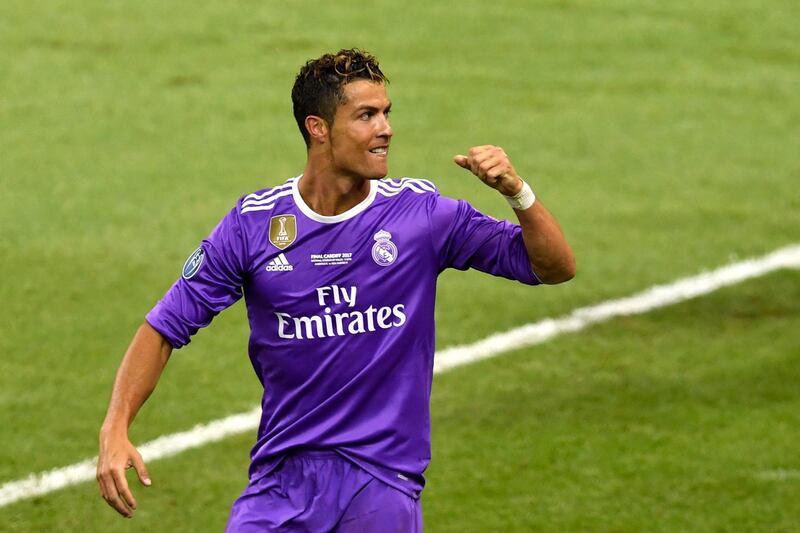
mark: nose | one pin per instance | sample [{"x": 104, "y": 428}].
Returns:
[{"x": 385, "y": 129}]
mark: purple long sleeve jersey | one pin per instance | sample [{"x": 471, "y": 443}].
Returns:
[{"x": 341, "y": 312}]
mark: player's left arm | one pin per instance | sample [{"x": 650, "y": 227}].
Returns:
[{"x": 548, "y": 250}]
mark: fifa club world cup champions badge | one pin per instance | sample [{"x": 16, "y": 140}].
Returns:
[
  {"x": 282, "y": 231},
  {"x": 384, "y": 251}
]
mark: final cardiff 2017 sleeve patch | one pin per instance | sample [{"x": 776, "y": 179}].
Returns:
[{"x": 193, "y": 263}]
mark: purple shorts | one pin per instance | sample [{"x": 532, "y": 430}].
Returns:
[{"x": 321, "y": 491}]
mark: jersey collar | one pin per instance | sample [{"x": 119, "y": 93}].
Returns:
[{"x": 350, "y": 213}]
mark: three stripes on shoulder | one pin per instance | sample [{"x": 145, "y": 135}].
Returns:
[
  {"x": 393, "y": 187},
  {"x": 386, "y": 187},
  {"x": 266, "y": 200}
]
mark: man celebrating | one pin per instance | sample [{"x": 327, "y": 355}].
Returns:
[{"x": 338, "y": 268}]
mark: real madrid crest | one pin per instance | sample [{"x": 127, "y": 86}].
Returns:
[
  {"x": 282, "y": 230},
  {"x": 384, "y": 251}
]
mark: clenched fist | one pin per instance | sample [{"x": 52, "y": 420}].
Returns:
[{"x": 492, "y": 165}]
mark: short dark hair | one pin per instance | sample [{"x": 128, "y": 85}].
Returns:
[{"x": 319, "y": 87}]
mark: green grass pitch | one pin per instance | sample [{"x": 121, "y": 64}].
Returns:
[{"x": 664, "y": 137}]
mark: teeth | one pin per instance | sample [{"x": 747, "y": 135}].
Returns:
[{"x": 378, "y": 150}]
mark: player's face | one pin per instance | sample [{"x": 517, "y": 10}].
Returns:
[{"x": 361, "y": 133}]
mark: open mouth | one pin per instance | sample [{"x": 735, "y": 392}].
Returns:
[{"x": 381, "y": 150}]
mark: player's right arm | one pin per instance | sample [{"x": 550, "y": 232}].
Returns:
[
  {"x": 211, "y": 281},
  {"x": 136, "y": 378}
]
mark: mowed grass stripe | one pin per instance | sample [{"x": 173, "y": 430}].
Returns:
[{"x": 525, "y": 336}]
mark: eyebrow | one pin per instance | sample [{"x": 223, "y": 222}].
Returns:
[{"x": 367, "y": 107}]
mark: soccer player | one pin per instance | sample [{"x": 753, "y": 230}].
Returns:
[{"x": 338, "y": 268}]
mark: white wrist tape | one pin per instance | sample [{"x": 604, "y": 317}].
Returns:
[{"x": 523, "y": 199}]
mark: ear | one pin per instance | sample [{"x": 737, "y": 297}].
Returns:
[{"x": 317, "y": 128}]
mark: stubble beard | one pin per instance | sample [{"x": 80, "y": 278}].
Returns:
[{"x": 353, "y": 172}]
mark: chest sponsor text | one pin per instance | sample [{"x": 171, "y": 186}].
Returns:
[{"x": 342, "y": 322}]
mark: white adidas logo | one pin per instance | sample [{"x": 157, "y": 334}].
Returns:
[{"x": 279, "y": 264}]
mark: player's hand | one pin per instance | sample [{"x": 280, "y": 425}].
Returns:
[
  {"x": 493, "y": 167},
  {"x": 117, "y": 454}
]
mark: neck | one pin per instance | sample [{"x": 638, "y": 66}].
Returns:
[{"x": 330, "y": 193}]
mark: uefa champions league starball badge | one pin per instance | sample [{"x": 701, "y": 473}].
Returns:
[
  {"x": 384, "y": 252},
  {"x": 193, "y": 263}
]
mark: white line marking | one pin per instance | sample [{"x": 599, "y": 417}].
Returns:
[
  {"x": 781, "y": 474},
  {"x": 647, "y": 300},
  {"x": 528, "y": 335},
  {"x": 166, "y": 446}
]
